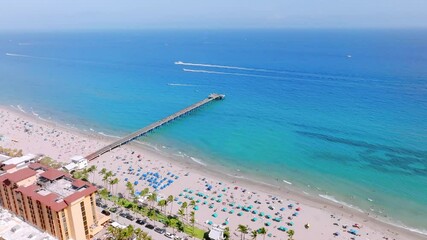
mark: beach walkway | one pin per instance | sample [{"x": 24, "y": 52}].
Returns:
[{"x": 151, "y": 127}]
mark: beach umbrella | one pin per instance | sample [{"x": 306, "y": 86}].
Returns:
[
  {"x": 282, "y": 209},
  {"x": 211, "y": 206},
  {"x": 210, "y": 222},
  {"x": 225, "y": 223},
  {"x": 197, "y": 201},
  {"x": 291, "y": 223},
  {"x": 180, "y": 194},
  {"x": 268, "y": 216},
  {"x": 240, "y": 214},
  {"x": 298, "y": 209},
  {"x": 205, "y": 202},
  {"x": 295, "y": 214},
  {"x": 267, "y": 224},
  {"x": 126, "y": 179},
  {"x": 231, "y": 211},
  {"x": 135, "y": 183},
  {"x": 254, "y": 219},
  {"x": 224, "y": 209},
  {"x": 196, "y": 208},
  {"x": 261, "y": 214},
  {"x": 290, "y": 206},
  {"x": 281, "y": 228},
  {"x": 255, "y": 212},
  {"x": 336, "y": 233},
  {"x": 215, "y": 215},
  {"x": 250, "y": 206}
]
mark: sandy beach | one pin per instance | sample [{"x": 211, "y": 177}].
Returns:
[{"x": 219, "y": 198}]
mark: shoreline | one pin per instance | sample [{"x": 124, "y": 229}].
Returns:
[{"x": 288, "y": 191}]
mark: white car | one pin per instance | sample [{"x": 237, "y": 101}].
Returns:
[{"x": 169, "y": 235}]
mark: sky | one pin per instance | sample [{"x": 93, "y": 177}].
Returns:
[{"x": 216, "y": 14}]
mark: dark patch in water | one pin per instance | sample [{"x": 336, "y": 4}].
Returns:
[{"x": 381, "y": 157}]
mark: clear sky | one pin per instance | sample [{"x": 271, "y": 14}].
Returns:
[{"x": 141, "y": 14}]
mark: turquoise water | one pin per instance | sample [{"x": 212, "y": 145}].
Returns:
[{"x": 337, "y": 113}]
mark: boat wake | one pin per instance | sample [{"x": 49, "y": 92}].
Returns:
[{"x": 181, "y": 85}]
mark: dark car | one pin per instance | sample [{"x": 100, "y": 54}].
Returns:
[
  {"x": 104, "y": 206},
  {"x": 130, "y": 217},
  {"x": 140, "y": 222},
  {"x": 149, "y": 226},
  {"x": 160, "y": 230},
  {"x": 123, "y": 214},
  {"x": 105, "y": 212}
]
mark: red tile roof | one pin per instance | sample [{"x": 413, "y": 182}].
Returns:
[
  {"x": 53, "y": 174},
  {"x": 79, "y": 183},
  {"x": 73, "y": 197},
  {"x": 9, "y": 166},
  {"x": 48, "y": 200},
  {"x": 36, "y": 166},
  {"x": 18, "y": 175}
]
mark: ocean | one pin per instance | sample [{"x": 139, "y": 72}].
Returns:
[{"x": 338, "y": 114}]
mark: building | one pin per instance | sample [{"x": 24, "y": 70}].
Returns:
[
  {"x": 51, "y": 200},
  {"x": 13, "y": 228},
  {"x": 77, "y": 163},
  {"x": 20, "y": 161},
  {"x": 216, "y": 233}
]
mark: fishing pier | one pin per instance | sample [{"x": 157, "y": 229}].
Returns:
[{"x": 153, "y": 126}]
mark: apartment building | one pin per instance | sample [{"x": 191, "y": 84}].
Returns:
[{"x": 51, "y": 200}]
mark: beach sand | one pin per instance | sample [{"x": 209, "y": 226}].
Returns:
[{"x": 32, "y": 135}]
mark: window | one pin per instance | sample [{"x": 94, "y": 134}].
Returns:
[{"x": 82, "y": 207}]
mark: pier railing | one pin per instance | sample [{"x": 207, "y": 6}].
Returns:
[{"x": 153, "y": 126}]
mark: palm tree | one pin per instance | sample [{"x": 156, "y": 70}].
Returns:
[
  {"x": 162, "y": 203},
  {"x": 151, "y": 214},
  {"x": 291, "y": 234},
  {"x": 141, "y": 235},
  {"x": 108, "y": 175},
  {"x": 263, "y": 232},
  {"x": 102, "y": 173},
  {"x": 192, "y": 221},
  {"x": 113, "y": 182},
  {"x": 170, "y": 200},
  {"x": 152, "y": 198},
  {"x": 243, "y": 230},
  {"x": 129, "y": 187},
  {"x": 254, "y": 234},
  {"x": 227, "y": 233},
  {"x": 185, "y": 206},
  {"x": 91, "y": 171},
  {"x": 181, "y": 213},
  {"x": 192, "y": 203}
]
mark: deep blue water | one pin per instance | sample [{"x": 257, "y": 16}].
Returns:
[{"x": 337, "y": 113}]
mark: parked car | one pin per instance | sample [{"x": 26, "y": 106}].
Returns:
[
  {"x": 160, "y": 230},
  {"x": 169, "y": 235},
  {"x": 105, "y": 212},
  {"x": 113, "y": 209},
  {"x": 104, "y": 206},
  {"x": 123, "y": 214},
  {"x": 149, "y": 226},
  {"x": 130, "y": 217},
  {"x": 140, "y": 221}
]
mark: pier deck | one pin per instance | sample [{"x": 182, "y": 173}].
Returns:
[{"x": 151, "y": 127}]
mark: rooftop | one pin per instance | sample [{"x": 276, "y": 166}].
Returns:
[
  {"x": 53, "y": 188},
  {"x": 20, "y": 160},
  {"x": 12, "y": 228}
]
